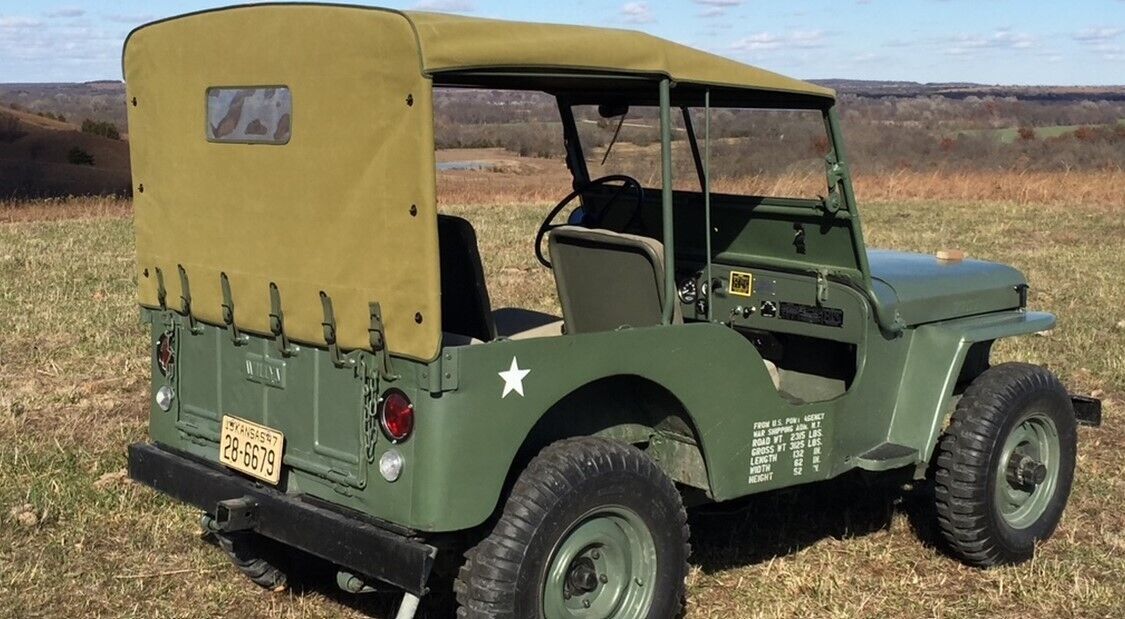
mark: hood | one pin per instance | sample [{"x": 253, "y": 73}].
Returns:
[{"x": 923, "y": 289}]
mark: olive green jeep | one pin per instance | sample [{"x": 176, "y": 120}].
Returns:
[{"x": 329, "y": 377}]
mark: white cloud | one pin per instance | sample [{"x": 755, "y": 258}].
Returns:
[
  {"x": 767, "y": 41},
  {"x": 865, "y": 57},
  {"x": 11, "y": 22},
  {"x": 1110, "y": 51},
  {"x": 454, "y": 6},
  {"x": 35, "y": 51},
  {"x": 1094, "y": 35},
  {"x": 130, "y": 20},
  {"x": 637, "y": 13},
  {"x": 716, "y": 8},
  {"x": 67, "y": 11},
  {"x": 1003, "y": 39}
]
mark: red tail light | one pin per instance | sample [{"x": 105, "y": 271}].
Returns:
[
  {"x": 397, "y": 416},
  {"x": 165, "y": 352}
]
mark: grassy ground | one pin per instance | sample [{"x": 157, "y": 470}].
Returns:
[{"x": 78, "y": 540}]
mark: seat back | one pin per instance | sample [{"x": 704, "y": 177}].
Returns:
[
  {"x": 465, "y": 306},
  {"x": 607, "y": 280}
]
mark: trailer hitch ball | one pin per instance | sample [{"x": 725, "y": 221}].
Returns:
[{"x": 236, "y": 515}]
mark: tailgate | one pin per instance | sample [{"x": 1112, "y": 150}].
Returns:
[{"x": 319, "y": 407}]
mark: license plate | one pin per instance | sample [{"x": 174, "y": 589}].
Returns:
[{"x": 251, "y": 448}]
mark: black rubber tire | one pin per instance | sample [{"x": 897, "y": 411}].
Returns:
[
  {"x": 261, "y": 559},
  {"x": 502, "y": 577},
  {"x": 969, "y": 456}
]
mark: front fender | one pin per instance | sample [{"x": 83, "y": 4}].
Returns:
[{"x": 937, "y": 353}]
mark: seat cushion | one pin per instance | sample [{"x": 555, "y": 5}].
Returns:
[{"x": 516, "y": 323}]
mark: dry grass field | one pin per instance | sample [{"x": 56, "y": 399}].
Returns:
[{"x": 78, "y": 540}]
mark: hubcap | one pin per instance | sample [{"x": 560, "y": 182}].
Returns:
[
  {"x": 1028, "y": 471},
  {"x": 604, "y": 567}
]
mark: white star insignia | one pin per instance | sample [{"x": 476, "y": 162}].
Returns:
[{"x": 513, "y": 379}]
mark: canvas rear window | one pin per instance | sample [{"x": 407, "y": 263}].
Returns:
[{"x": 249, "y": 115}]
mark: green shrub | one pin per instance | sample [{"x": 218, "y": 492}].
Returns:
[
  {"x": 103, "y": 128},
  {"x": 78, "y": 156}
]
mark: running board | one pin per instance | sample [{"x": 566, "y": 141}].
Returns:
[{"x": 886, "y": 457}]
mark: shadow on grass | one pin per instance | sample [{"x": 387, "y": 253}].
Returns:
[
  {"x": 767, "y": 526},
  {"x": 727, "y": 536}
]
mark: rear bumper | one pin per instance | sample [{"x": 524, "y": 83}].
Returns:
[{"x": 351, "y": 542}]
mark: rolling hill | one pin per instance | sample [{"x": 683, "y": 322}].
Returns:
[{"x": 38, "y": 158}]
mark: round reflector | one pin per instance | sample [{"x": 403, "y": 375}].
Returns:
[{"x": 397, "y": 416}]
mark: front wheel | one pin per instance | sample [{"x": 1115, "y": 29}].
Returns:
[
  {"x": 592, "y": 529},
  {"x": 1005, "y": 465}
]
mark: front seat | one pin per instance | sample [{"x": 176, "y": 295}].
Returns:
[{"x": 608, "y": 280}]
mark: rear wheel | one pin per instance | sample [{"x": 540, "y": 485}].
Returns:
[
  {"x": 1005, "y": 465},
  {"x": 592, "y": 529}
]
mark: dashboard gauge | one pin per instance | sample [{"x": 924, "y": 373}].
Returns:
[{"x": 688, "y": 290}]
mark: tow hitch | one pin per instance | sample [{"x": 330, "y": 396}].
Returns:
[{"x": 236, "y": 515}]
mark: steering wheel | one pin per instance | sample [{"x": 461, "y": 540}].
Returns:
[{"x": 590, "y": 220}]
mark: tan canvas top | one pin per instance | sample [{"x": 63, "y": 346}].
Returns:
[
  {"x": 450, "y": 42},
  {"x": 345, "y": 206},
  {"x": 329, "y": 185}
]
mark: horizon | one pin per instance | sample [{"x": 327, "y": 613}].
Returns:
[{"x": 996, "y": 43}]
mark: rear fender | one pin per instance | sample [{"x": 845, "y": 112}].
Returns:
[
  {"x": 495, "y": 403},
  {"x": 630, "y": 409},
  {"x": 934, "y": 366}
]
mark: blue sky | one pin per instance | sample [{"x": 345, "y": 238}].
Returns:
[{"x": 988, "y": 41}]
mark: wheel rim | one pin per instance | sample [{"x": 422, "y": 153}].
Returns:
[
  {"x": 604, "y": 567},
  {"x": 1028, "y": 470}
]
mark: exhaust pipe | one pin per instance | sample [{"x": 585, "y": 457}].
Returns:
[{"x": 351, "y": 583}]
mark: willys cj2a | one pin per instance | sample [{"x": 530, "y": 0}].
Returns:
[{"x": 329, "y": 376}]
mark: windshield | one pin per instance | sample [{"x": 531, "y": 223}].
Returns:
[{"x": 773, "y": 153}]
